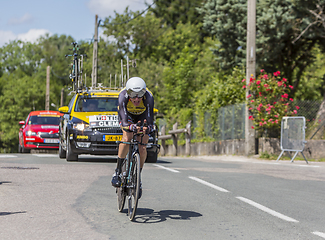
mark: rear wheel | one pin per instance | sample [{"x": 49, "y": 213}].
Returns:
[
  {"x": 70, "y": 156},
  {"x": 121, "y": 192},
  {"x": 134, "y": 186}
]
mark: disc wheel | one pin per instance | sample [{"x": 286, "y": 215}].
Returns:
[
  {"x": 121, "y": 192},
  {"x": 134, "y": 186}
]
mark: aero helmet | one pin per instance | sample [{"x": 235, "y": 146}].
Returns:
[{"x": 135, "y": 87}]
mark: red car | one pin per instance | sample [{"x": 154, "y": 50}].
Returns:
[{"x": 39, "y": 131}]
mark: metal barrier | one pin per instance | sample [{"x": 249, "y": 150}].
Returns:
[{"x": 293, "y": 136}]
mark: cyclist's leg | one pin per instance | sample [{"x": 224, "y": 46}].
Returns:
[
  {"x": 123, "y": 148},
  {"x": 122, "y": 152},
  {"x": 145, "y": 139},
  {"x": 143, "y": 157},
  {"x": 143, "y": 149}
]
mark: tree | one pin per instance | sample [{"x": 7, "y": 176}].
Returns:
[
  {"x": 178, "y": 11},
  {"x": 23, "y": 81},
  {"x": 223, "y": 89},
  {"x": 277, "y": 23},
  {"x": 313, "y": 23}
]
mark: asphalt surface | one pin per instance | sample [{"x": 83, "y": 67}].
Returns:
[{"x": 207, "y": 197}]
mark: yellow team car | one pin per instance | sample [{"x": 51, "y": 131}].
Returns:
[{"x": 90, "y": 126}]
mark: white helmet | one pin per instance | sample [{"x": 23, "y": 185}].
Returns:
[{"x": 136, "y": 87}]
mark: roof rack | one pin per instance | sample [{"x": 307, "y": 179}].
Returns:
[{"x": 99, "y": 88}]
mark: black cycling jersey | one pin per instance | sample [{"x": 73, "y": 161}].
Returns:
[{"x": 130, "y": 114}]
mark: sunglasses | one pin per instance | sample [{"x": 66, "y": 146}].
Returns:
[{"x": 136, "y": 94}]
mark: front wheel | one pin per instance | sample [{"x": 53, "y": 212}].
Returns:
[
  {"x": 23, "y": 150},
  {"x": 70, "y": 156},
  {"x": 134, "y": 185},
  {"x": 121, "y": 191}
]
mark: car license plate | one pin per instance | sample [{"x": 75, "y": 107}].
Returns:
[
  {"x": 51, "y": 140},
  {"x": 112, "y": 138}
]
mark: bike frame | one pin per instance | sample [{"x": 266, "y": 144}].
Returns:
[
  {"x": 75, "y": 66},
  {"x": 133, "y": 149},
  {"x": 130, "y": 185}
]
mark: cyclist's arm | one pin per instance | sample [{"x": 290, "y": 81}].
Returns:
[
  {"x": 122, "y": 111},
  {"x": 149, "y": 103}
]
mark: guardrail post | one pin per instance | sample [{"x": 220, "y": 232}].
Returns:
[
  {"x": 163, "y": 143},
  {"x": 188, "y": 139},
  {"x": 174, "y": 137}
]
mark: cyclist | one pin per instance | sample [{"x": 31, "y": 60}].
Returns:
[{"x": 135, "y": 104}]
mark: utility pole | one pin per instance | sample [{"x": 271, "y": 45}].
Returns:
[
  {"x": 47, "y": 94},
  {"x": 250, "y": 72},
  {"x": 127, "y": 68},
  {"x": 121, "y": 73},
  {"x": 62, "y": 97},
  {"x": 95, "y": 52}
]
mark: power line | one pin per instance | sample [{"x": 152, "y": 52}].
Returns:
[
  {"x": 103, "y": 25},
  {"x": 56, "y": 75}
]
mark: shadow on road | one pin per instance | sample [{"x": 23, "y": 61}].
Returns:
[
  {"x": 145, "y": 215},
  {"x": 4, "y": 182},
  {"x": 94, "y": 159},
  {"x": 9, "y": 213},
  {"x": 162, "y": 161}
]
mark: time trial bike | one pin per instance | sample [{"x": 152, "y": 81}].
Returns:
[{"x": 130, "y": 176}]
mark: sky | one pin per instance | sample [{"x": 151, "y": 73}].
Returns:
[{"x": 27, "y": 20}]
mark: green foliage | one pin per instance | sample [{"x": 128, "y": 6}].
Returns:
[
  {"x": 278, "y": 23},
  {"x": 152, "y": 72},
  {"x": 17, "y": 100},
  {"x": 178, "y": 11},
  {"x": 265, "y": 155},
  {"x": 173, "y": 41},
  {"x": 312, "y": 83},
  {"x": 224, "y": 89}
]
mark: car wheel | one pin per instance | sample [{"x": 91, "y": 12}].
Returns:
[
  {"x": 23, "y": 150},
  {"x": 70, "y": 156},
  {"x": 62, "y": 152},
  {"x": 152, "y": 157}
]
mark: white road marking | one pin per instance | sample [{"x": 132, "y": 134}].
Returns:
[
  {"x": 308, "y": 166},
  {"x": 267, "y": 210},
  {"x": 45, "y": 155},
  {"x": 7, "y": 156},
  {"x": 270, "y": 163},
  {"x": 168, "y": 169},
  {"x": 209, "y": 184},
  {"x": 320, "y": 234}
]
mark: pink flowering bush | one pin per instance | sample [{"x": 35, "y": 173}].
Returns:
[{"x": 268, "y": 102}]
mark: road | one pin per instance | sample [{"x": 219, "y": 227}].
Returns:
[{"x": 208, "y": 197}]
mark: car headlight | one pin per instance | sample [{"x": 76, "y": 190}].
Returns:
[
  {"x": 80, "y": 126},
  {"x": 31, "y": 133}
]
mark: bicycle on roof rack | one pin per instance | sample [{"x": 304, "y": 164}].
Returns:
[{"x": 77, "y": 66}]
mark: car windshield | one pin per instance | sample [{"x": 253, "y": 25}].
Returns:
[
  {"x": 44, "y": 120},
  {"x": 102, "y": 104}
]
